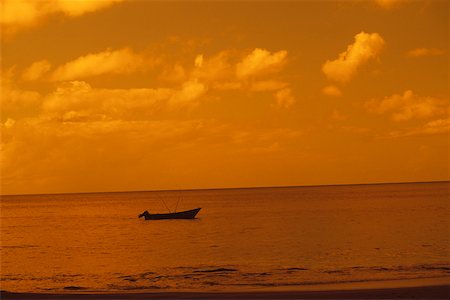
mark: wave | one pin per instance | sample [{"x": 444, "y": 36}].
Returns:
[{"x": 225, "y": 277}]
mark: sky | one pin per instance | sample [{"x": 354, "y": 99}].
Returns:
[{"x": 118, "y": 95}]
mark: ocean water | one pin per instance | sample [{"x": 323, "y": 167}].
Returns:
[{"x": 243, "y": 239}]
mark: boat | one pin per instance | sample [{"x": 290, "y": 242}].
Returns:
[{"x": 188, "y": 214}]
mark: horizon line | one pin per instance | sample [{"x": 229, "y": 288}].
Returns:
[{"x": 232, "y": 188}]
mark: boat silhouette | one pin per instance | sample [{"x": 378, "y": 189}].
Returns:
[{"x": 187, "y": 214}]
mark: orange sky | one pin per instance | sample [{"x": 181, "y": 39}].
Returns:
[{"x": 140, "y": 95}]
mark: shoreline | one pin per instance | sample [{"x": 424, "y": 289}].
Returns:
[
  {"x": 423, "y": 292},
  {"x": 425, "y": 288}
]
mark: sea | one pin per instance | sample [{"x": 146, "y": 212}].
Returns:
[{"x": 243, "y": 239}]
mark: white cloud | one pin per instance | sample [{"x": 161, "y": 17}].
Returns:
[
  {"x": 438, "y": 126},
  {"x": 284, "y": 98},
  {"x": 267, "y": 85},
  {"x": 260, "y": 62},
  {"x": 36, "y": 71},
  {"x": 407, "y": 106},
  {"x": 338, "y": 116},
  {"x": 388, "y": 4},
  {"x": 231, "y": 70},
  {"x": 214, "y": 68},
  {"x": 366, "y": 46},
  {"x": 198, "y": 61},
  {"x": 332, "y": 90},
  {"x": 19, "y": 14},
  {"x": 228, "y": 85},
  {"x": 420, "y": 52},
  {"x": 77, "y": 101},
  {"x": 189, "y": 94},
  {"x": 16, "y": 102},
  {"x": 122, "y": 61}
]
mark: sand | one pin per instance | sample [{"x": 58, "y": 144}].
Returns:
[{"x": 423, "y": 292}]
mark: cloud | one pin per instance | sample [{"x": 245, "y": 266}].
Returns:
[
  {"x": 198, "y": 61},
  {"x": 420, "y": 52},
  {"x": 188, "y": 94},
  {"x": 284, "y": 98},
  {"x": 78, "y": 8},
  {"x": 231, "y": 70},
  {"x": 134, "y": 131},
  {"x": 407, "y": 106},
  {"x": 214, "y": 68},
  {"x": 274, "y": 147},
  {"x": 118, "y": 154},
  {"x": 16, "y": 102},
  {"x": 36, "y": 70},
  {"x": 366, "y": 46},
  {"x": 439, "y": 126},
  {"x": 19, "y": 14},
  {"x": 338, "y": 116},
  {"x": 260, "y": 62},
  {"x": 267, "y": 85},
  {"x": 122, "y": 61},
  {"x": 332, "y": 91},
  {"x": 174, "y": 73},
  {"x": 228, "y": 85},
  {"x": 77, "y": 101},
  {"x": 97, "y": 146},
  {"x": 388, "y": 4}
]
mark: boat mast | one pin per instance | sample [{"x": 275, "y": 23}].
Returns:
[{"x": 166, "y": 205}]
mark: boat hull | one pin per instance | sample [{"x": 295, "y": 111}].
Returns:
[{"x": 188, "y": 214}]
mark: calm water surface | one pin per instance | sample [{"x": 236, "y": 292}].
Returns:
[{"x": 243, "y": 239}]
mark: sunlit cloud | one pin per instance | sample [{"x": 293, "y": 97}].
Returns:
[
  {"x": 233, "y": 70},
  {"x": 18, "y": 102},
  {"x": 228, "y": 85},
  {"x": 174, "y": 73},
  {"x": 122, "y": 61},
  {"x": 78, "y": 8},
  {"x": 38, "y": 149},
  {"x": 77, "y": 100},
  {"x": 274, "y": 147},
  {"x": 188, "y": 95},
  {"x": 36, "y": 70},
  {"x": 138, "y": 148},
  {"x": 388, "y": 4},
  {"x": 338, "y": 116},
  {"x": 407, "y": 106},
  {"x": 75, "y": 104},
  {"x": 438, "y": 126},
  {"x": 260, "y": 62},
  {"x": 20, "y": 14},
  {"x": 267, "y": 85},
  {"x": 332, "y": 90},
  {"x": 366, "y": 46},
  {"x": 421, "y": 52},
  {"x": 15, "y": 101},
  {"x": 216, "y": 67},
  {"x": 284, "y": 98}
]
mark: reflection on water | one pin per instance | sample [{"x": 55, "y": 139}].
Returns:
[{"x": 242, "y": 239}]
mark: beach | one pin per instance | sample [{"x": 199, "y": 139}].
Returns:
[{"x": 422, "y": 292}]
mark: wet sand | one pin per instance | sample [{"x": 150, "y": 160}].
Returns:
[{"x": 424, "y": 292}]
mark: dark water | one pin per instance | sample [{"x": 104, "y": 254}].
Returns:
[{"x": 243, "y": 239}]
